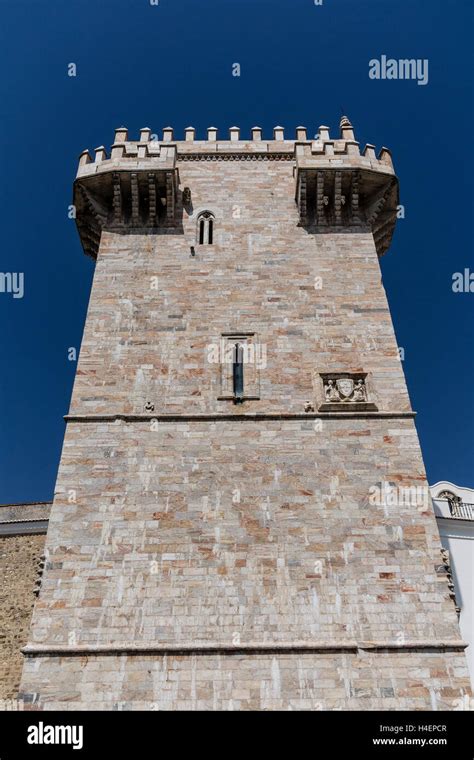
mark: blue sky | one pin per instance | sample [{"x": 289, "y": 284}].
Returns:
[{"x": 171, "y": 64}]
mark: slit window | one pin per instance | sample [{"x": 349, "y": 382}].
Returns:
[
  {"x": 238, "y": 373},
  {"x": 241, "y": 357}
]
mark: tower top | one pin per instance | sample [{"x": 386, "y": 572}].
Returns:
[{"x": 138, "y": 184}]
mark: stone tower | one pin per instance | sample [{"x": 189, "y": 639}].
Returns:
[{"x": 231, "y": 527}]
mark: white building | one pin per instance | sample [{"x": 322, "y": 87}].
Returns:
[{"x": 454, "y": 510}]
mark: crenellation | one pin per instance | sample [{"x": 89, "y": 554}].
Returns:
[
  {"x": 117, "y": 151},
  {"x": 323, "y": 147},
  {"x": 385, "y": 157},
  {"x": 328, "y": 148},
  {"x": 256, "y": 135},
  {"x": 100, "y": 154},
  {"x": 323, "y": 133},
  {"x": 352, "y": 147},
  {"x": 84, "y": 158},
  {"x": 190, "y": 134},
  {"x": 121, "y": 135}
]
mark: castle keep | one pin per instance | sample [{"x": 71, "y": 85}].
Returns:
[{"x": 212, "y": 542}]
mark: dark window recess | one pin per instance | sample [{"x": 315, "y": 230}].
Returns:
[
  {"x": 210, "y": 231},
  {"x": 201, "y": 232},
  {"x": 238, "y": 374}
]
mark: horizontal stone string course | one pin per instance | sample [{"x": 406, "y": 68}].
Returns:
[
  {"x": 27, "y": 520},
  {"x": 220, "y": 417},
  {"x": 252, "y": 646}
]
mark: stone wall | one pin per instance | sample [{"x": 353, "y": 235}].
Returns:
[
  {"x": 19, "y": 564},
  {"x": 203, "y": 531},
  {"x": 298, "y": 680},
  {"x": 232, "y": 536},
  {"x": 155, "y": 309}
]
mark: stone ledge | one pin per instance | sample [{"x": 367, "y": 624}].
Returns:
[
  {"x": 24, "y": 527},
  {"x": 241, "y": 417},
  {"x": 342, "y": 407},
  {"x": 46, "y": 650}
]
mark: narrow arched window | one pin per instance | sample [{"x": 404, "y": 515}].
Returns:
[{"x": 206, "y": 228}]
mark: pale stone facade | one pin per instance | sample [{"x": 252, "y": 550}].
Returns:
[{"x": 211, "y": 551}]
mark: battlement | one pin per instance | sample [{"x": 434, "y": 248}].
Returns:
[
  {"x": 138, "y": 184},
  {"x": 165, "y": 152}
]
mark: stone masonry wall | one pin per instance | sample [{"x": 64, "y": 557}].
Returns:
[
  {"x": 19, "y": 559},
  {"x": 204, "y": 530},
  {"x": 148, "y": 341},
  {"x": 301, "y": 557},
  {"x": 404, "y": 680}
]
